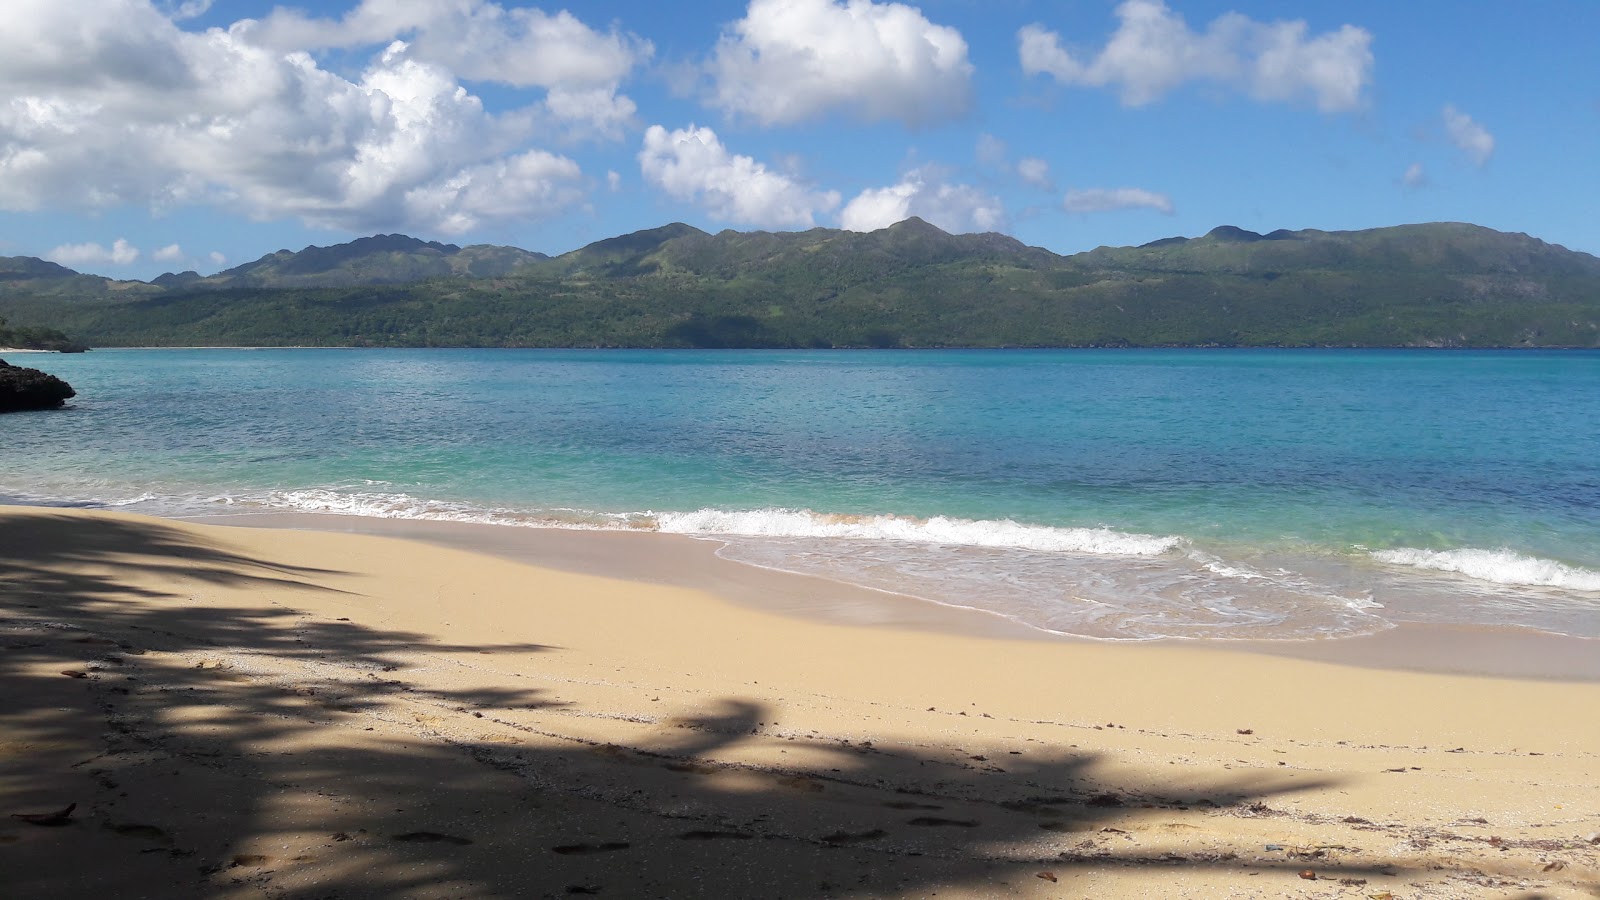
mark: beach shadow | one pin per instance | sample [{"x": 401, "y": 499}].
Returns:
[{"x": 315, "y": 759}]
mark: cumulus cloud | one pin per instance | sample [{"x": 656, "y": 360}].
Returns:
[
  {"x": 121, "y": 253},
  {"x": 1036, "y": 172},
  {"x": 956, "y": 208},
  {"x": 1469, "y": 137},
  {"x": 1154, "y": 50},
  {"x": 217, "y": 259},
  {"x": 169, "y": 253},
  {"x": 106, "y": 103},
  {"x": 1093, "y": 200},
  {"x": 535, "y": 184},
  {"x": 581, "y": 68},
  {"x": 791, "y": 60},
  {"x": 692, "y": 165},
  {"x": 1415, "y": 176}
]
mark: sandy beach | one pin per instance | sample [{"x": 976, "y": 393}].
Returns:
[{"x": 257, "y": 712}]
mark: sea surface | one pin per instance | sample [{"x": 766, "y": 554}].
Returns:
[{"x": 1115, "y": 494}]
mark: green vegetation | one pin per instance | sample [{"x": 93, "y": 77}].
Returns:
[
  {"x": 37, "y": 339},
  {"x": 911, "y": 285}
]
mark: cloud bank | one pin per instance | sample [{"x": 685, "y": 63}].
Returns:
[
  {"x": 121, "y": 253},
  {"x": 105, "y": 103},
  {"x": 581, "y": 68},
  {"x": 1154, "y": 51},
  {"x": 1094, "y": 200}
]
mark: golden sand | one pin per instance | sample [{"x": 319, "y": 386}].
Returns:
[{"x": 275, "y": 713}]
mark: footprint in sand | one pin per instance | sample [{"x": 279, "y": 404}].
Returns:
[
  {"x": 1066, "y": 826},
  {"x": 430, "y": 837},
  {"x": 906, "y": 804},
  {"x": 860, "y": 837},
  {"x": 937, "y": 822},
  {"x": 713, "y": 836},
  {"x": 580, "y": 849}
]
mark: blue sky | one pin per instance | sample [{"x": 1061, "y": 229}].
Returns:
[{"x": 141, "y": 137}]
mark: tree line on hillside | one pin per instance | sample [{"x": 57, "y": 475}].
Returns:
[
  {"x": 909, "y": 285},
  {"x": 37, "y": 339},
  {"x": 933, "y": 309}
]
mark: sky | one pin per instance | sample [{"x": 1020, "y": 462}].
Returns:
[{"x": 144, "y": 136}]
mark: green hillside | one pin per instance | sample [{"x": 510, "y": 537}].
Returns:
[{"x": 910, "y": 285}]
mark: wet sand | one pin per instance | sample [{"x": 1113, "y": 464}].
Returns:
[
  {"x": 267, "y": 712},
  {"x": 680, "y": 561}
]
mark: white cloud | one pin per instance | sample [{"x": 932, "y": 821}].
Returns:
[
  {"x": 121, "y": 253},
  {"x": 1153, "y": 51},
  {"x": 956, "y": 208},
  {"x": 614, "y": 180},
  {"x": 1036, "y": 172},
  {"x": 1093, "y": 200},
  {"x": 1415, "y": 176},
  {"x": 791, "y": 60},
  {"x": 1468, "y": 136},
  {"x": 189, "y": 9},
  {"x": 692, "y": 165},
  {"x": 217, "y": 259},
  {"x": 169, "y": 253},
  {"x": 480, "y": 41},
  {"x": 105, "y": 103},
  {"x": 535, "y": 184},
  {"x": 580, "y": 67}
]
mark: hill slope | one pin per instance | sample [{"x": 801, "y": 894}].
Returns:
[
  {"x": 1441, "y": 284},
  {"x": 380, "y": 259}
]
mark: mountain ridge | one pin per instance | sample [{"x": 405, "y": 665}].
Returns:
[{"x": 911, "y": 284}]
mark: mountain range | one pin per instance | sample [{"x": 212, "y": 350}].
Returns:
[{"x": 909, "y": 285}]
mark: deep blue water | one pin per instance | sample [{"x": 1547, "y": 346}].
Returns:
[{"x": 1113, "y": 493}]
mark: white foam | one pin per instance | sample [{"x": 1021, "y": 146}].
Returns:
[
  {"x": 130, "y": 501},
  {"x": 1498, "y": 566},
  {"x": 404, "y": 506},
  {"x": 937, "y": 530}
]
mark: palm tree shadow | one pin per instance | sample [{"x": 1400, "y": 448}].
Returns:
[{"x": 330, "y": 766}]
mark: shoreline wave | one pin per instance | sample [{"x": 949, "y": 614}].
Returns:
[
  {"x": 1132, "y": 586},
  {"x": 1501, "y": 566},
  {"x": 990, "y": 533}
]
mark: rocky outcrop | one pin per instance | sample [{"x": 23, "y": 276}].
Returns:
[{"x": 23, "y": 389}]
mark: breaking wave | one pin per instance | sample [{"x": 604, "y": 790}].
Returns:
[
  {"x": 1497, "y": 566},
  {"x": 1002, "y": 533}
]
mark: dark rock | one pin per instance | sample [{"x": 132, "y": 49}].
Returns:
[{"x": 23, "y": 389}]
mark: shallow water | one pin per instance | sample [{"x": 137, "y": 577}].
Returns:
[{"x": 1114, "y": 494}]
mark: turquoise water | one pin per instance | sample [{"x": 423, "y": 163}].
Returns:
[{"x": 1117, "y": 494}]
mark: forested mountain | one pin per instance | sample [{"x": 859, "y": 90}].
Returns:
[
  {"x": 909, "y": 285},
  {"x": 37, "y": 339}
]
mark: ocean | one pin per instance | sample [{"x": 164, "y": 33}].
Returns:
[{"x": 1111, "y": 494}]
